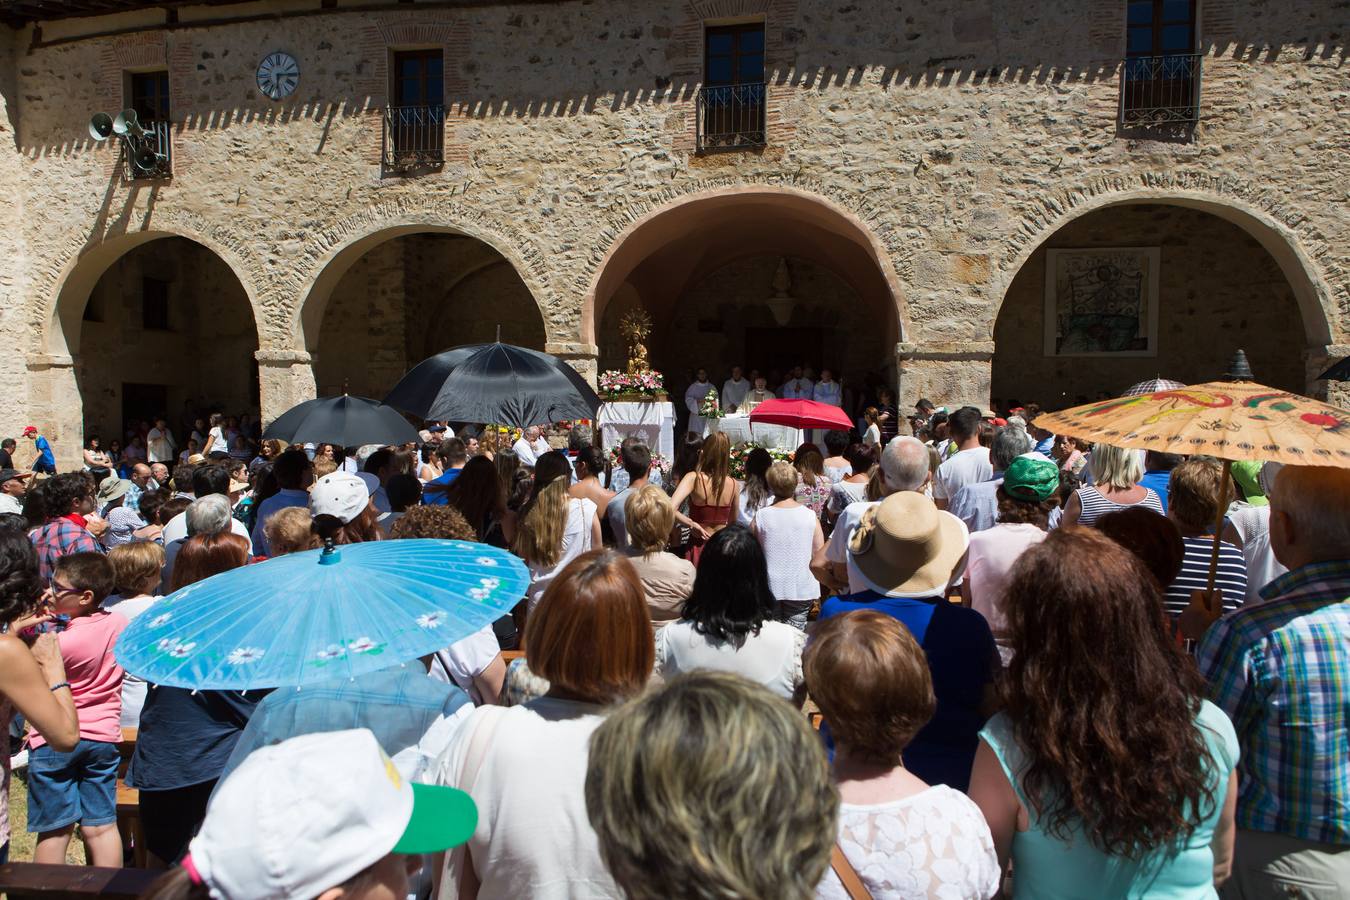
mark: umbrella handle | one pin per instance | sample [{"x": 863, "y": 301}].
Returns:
[{"x": 1218, "y": 523}]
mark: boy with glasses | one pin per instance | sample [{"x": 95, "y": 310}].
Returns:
[{"x": 81, "y": 786}]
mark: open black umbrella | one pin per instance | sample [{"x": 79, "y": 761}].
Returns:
[
  {"x": 498, "y": 383},
  {"x": 346, "y": 421},
  {"x": 1338, "y": 372}
]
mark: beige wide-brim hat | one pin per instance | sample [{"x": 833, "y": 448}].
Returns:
[{"x": 906, "y": 547}]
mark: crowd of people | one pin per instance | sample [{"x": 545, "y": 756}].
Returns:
[{"x": 1017, "y": 675}]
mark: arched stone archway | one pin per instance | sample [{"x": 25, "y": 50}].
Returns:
[
  {"x": 708, "y": 268},
  {"x": 1231, "y": 276},
  {"x": 144, "y": 324},
  {"x": 410, "y": 295}
]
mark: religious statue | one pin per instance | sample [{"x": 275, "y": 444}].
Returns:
[{"x": 635, "y": 327}]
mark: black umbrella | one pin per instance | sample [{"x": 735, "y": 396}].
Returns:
[
  {"x": 346, "y": 421},
  {"x": 1338, "y": 372},
  {"x": 498, "y": 383}
]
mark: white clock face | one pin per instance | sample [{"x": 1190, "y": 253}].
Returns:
[{"x": 278, "y": 75}]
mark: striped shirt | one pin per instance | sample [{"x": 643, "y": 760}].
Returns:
[
  {"x": 1281, "y": 670},
  {"x": 1095, "y": 505},
  {"x": 1231, "y": 576}
]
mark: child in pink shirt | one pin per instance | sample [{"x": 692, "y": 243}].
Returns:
[{"x": 81, "y": 786}]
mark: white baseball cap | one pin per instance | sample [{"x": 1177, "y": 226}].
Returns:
[
  {"x": 339, "y": 494},
  {"x": 300, "y": 817}
]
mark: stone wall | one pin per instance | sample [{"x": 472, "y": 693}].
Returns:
[
  {"x": 1218, "y": 291},
  {"x": 958, "y": 137}
]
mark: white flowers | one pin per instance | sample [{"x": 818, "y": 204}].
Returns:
[
  {"x": 490, "y": 583},
  {"x": 480, "y": 593},
  {"x": 430, "y": 620},
  {"x": 362, "y": 645},
  {"x": 177, "y": 649},
  {"x": 332, "y": 651},
  {"x": 485, "y": 561},
  {"x": 241, "y": 655},
  {"x": 161, "y": 620}
]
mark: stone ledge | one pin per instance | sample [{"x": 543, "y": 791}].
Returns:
[
  {"x": 40, "y": 361},
  {"x": 572, "y": 350},
  {"x": 283, "y": 358},
  {"x": 946, "y": 351}
]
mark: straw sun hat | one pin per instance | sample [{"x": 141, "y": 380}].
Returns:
[{"x": 906, "y": 547}]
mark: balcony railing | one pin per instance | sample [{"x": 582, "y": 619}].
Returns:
[
  {"x": 414, "y": 137},
  {"x": 731, "y": 117},
  {"x": 1160, "y": 90},
  {"x": 150, "y": 154}
]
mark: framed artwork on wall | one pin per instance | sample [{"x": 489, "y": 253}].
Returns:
[{"x": 1101, "y": 301}]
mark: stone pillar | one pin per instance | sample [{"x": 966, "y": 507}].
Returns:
[
  {"x": 585, "y": 358},
  {"x": 1319, "y": 358},
  {"x": 953, "y": 373},
  {"x": 55, "y": 408},
  {"x": 285, "y": 379}
]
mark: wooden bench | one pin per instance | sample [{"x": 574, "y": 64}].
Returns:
[
  {"x": 129, "y": 803},
  {"x": 47, "y": 882}
]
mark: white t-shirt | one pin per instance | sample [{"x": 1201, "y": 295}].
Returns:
[
  {"x": 933, "y": 844},
  {"x": 533, "y": 838},
  {"x": 872, "y": 436},
  {"x": 576, "y": 541},
  {"x": 786, "y": 536},
  {"x": 836, "y": 550},
  {"x": 219, "y": 444},
  {"x": 966, "y": 467},
  {"x": 1252, "y": 524},
  {"x": 773, "y": 657},
  {"x": 176, "y": 530},
  {"x": 466, "y": 659}
]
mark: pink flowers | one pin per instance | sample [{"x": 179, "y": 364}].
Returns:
[{"x": 647, "y": 383}]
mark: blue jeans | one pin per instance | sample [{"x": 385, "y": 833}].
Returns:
[{"x": 79, "y": 786}]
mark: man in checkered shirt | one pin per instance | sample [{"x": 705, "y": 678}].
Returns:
[{"x": 1280, "y": 668}]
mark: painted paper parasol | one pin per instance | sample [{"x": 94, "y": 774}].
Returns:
[{"x": 1231, "y": 420}]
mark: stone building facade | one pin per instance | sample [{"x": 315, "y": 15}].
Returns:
[{"x": 918, "y": 162}]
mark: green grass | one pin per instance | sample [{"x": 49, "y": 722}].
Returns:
[{"x": 21, "y": 840}]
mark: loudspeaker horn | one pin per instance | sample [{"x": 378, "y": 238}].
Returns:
[
  {"x": 128, "y": 123},
  {"x": 101, "y": 126},
  {"x": 145, "y": 159}
]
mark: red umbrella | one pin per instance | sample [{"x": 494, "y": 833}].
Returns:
[{"x": 800, "y": 414}]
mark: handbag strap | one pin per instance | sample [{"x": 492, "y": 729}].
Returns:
[{"x": 848, "y": 876}]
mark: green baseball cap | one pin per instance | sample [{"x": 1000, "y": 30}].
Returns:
[{"x": 1031, "y": 479}]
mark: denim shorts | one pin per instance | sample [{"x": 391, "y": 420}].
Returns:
[{"x": 79, "y": 786}]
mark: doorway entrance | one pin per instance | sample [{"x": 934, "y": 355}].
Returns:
[
  {"x": 143, "y": 402},
  {"x": 779, "y": 349}
]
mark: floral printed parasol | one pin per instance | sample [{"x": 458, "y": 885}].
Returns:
[
  {"x": 323, "y": 614},
  {"x": 1236, "y": 420}
]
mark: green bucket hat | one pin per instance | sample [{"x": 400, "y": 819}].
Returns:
[{"x": 1031, "y": 480}]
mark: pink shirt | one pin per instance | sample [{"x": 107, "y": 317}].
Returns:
[
  {"x": 992, "y": 555},
  {"x": 94, "y": 675}
]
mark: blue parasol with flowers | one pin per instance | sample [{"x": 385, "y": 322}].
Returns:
[{"x": 323, "y": 614}]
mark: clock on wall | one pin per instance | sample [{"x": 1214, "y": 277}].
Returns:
[{"x": 278, "y": 75}]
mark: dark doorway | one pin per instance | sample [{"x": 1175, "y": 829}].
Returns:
[
  {"x": 143, "y": 402},
  {"x": 779, "y": 349}
]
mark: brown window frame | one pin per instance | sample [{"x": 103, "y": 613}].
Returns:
[
  {"x": 152, "y": 106},
  {"x": 1157, "y": 25}
]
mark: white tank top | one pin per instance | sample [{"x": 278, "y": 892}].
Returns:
[{"x": 786, "y": 535}]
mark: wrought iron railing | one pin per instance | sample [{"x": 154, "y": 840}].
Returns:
[
  {"x": 150, "y": 153},
  {"x": 414, "y": 137},
  {"x": 731, "y": 117},
  {"x": 1160, "y": 90}
]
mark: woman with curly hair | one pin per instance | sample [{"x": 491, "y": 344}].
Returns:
[{"x": 1106, "y": 774}]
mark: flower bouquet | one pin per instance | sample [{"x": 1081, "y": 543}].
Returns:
[
  {"x": 660, "y": 464},
  {"x": 644, "y": 385},
  {"x": 709, "y": 407},
  {"x": 741, "y": 452}
]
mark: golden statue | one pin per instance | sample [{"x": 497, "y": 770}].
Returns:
[{"x": 635, "y": 327}]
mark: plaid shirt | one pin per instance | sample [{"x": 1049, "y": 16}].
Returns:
[
  {"x": 1281, "y": 670},
  {"x": 58, "y": 538}
]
